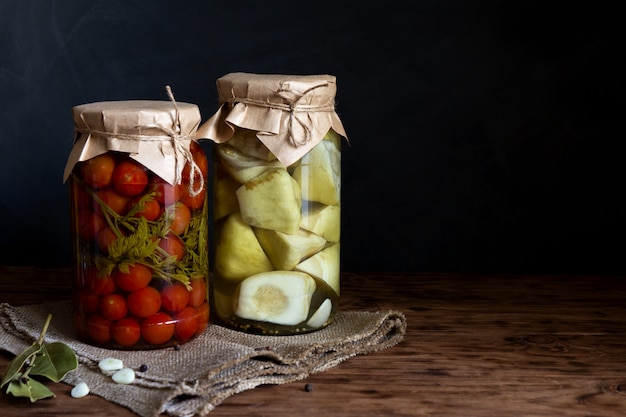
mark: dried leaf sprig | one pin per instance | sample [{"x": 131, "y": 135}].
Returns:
[{"x": 52, "y": 361}]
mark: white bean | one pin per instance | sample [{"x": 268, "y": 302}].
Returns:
[
  {"x": 110, "y": 364},
  {"x": 124, "y": 376},
  {"x": 80, "y": 390}
]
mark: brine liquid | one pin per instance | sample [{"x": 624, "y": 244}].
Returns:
[
  {"x": 140, "y": 270},
  {"x": 276, "y": 236}
]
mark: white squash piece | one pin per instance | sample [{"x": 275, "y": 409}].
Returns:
[
  {"x": 280, "y": 297},
  {"x": 271, "y": 201},
  {"x": 246, "y": 142},
  {"x": 284, "y": 250},
  {"x": 238, "y": 253},
  {"x": 225, "y": 198},
  {"x": 324, "y": 265},
  {"x": 321, "y": 315},
  {"x": 319, "y": 174},
  {"x": 324, "y": 221},
  {"x": 243, "y": 167}
]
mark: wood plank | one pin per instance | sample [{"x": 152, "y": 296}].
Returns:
[{"x": 476, "y": 345}]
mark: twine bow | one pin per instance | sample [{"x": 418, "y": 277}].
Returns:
[
  {"x": 292, "y": 107},
  {"x": 181, "y": 150}
]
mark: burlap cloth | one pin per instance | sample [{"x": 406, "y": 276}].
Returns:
[{"x": 194, "y": 379}]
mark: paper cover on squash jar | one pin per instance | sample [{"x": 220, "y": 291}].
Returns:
[{"x": 290, "y": 113}]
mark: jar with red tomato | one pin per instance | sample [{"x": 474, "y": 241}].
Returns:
[{"x": 138, "y": 183}]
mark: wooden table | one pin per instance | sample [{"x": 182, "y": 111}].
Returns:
[{"x": 476, "y": 345}]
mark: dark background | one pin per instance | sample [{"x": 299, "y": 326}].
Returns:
[{"x": 485, "y": 135}]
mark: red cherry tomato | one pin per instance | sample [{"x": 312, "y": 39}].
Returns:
[
  {"x": 129, "y": 178},
  {"x": 158, "y": 328},
  {"x": 178, "y": 216},
  {"x": 151, "y": 208},
  {"x": 202, "y": 318},
  {"x": 144, "y": 302},
  {"x": 193, "y": 202},
  {"x": 126, "y": 332},
  {"x": 97, "y": 171},
  {"x": 105, "y": 237},
  {"x": 98, "y": 329},
  {"x": 172, "y": 245},
  {"x": 198, "y": 292},
  {"x": 98, "y": 285},
  {"x": 89, "y": 224},
  {"x": 201, "y": 161},
  {"x": 165, "y": 193},
  {"x": 112, "y": 306},
  {"x": 138, "y": 276},
  {"x": 116, "y": 201},
  {"x": 174, "y": 297},
  {"x": 186, "y": 324},
  {"x": 87, "y": 301}
]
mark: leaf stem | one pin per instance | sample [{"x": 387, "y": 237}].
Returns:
[{"x": 45, "y": 329}]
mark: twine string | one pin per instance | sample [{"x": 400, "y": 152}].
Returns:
[{"x": 292, "y": 107}]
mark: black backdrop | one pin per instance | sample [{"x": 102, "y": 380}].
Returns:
[{"x": 485, "y": 135}]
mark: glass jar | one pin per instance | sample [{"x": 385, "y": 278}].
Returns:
[
  {"x": 276, "y": 202},
  {"x": 139, "y": 214}
]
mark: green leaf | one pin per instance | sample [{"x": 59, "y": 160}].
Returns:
[
  {"x": 56, "y": 361},
  {"x": 18, "y": 363},
  {"x": 32, "y": 389}
]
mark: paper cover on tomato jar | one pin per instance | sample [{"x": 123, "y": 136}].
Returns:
[
  {"x": 290, "y": 113},
  {"x": 157, "y": 134}
]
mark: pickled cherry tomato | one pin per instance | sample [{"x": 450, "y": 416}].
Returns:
[
  {"x": 138, "y": 276},
  {"x": 97, "y": 171},
  {"x": 202, "y": 318},
  {"x": 87, "y": 301},
  {"x": 126, "y": 332},
  {"x": 201, "y": 161},
  {"x": 98, "y": 285},
  {"x": 151, "y": 208},
  {"x": 158, "y": 328},
  {"x": 186, "y": 324},
  {"x": 144, "y": 302},
  {"x": 129, "y": 178},
  {"x": 116, "y": 201},
  {"x": 112, "y": 306},
  {"x": 165, "y": 193},
  {"x": 178, "y": 218},
  {"x": 98, "y": 328},
  {"x": 174, "y": 297},
  {"x": 198, "y": 293},
  {"x": 173, "y": 246},
  {"x": 89, "y": 224},
  {"x": 191, "y": 201},
  {"x": 105, "y": 237}
]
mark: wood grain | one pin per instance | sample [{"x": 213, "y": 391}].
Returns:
[{"x": 476, "y": 345}]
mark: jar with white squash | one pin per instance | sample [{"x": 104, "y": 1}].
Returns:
[{"x": 276, "y": 202}]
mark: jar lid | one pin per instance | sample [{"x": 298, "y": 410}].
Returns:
[
  {"x": 290, "y": 113},
  {"x": 156, "y": 134}
]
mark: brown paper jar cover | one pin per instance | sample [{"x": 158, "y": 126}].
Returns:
[
  {"x": 156, "y": 134},
  {"x": 290, "y": 113}
]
